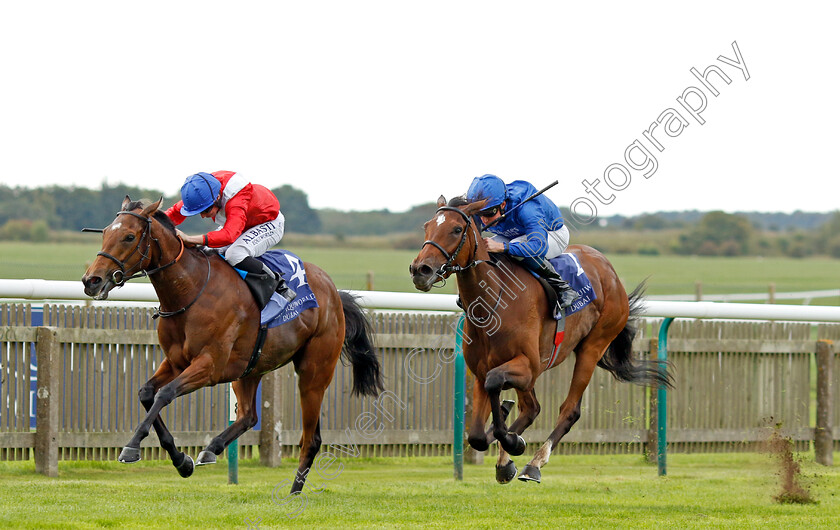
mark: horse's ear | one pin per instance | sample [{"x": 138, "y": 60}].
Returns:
[
  {"x": 475, "y": 207},
  {"x": 152, "y": 208},
  {"x": 441, "y": 201},
  {"x": 125, "y": 202}
]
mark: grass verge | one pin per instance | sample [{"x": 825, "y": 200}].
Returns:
[{"x": 708, "y": 490}]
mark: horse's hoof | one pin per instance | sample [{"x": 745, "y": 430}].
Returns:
[
  {"x": 505, "y": 473},
  {"x": 204, "y": 458},
  {"x": 518, "y": 446},
  {"x": 129, "y": 455},
  {"x": 187, "y": 467},
  {"x": 530, "y": 473}
]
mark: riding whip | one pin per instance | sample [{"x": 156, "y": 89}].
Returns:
[{"x": 504, "y": 215}]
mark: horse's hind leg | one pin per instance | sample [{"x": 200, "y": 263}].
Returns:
[
  {"x": 589, "y": 352},
  {"x": 532, "y": 470},
  {"x": 315, "y": 368},
  {"x": 246, "y": 417},
  {"x": 182, "y": 462}
]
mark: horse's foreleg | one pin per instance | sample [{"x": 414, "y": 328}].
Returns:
[
  {"x": 529, "y": 409},
  {"x": 246, "y": 417},
  {"x": 163, "y": 375},
  {"x": 477, "y": 438},
  {"x": 196, "y": 375},
  {"x": 515, "y": 373},
  {"x": 585, "y": 362}
]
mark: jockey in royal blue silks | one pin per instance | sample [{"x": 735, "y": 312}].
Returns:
[{"x": 531, "y": 233}]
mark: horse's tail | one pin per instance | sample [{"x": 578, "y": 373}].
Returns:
[
  {"x": 619, "y": 361},
  {"x": 359, "y": 349}
]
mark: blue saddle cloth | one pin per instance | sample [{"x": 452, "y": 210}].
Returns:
[
  {"x": 291, "y": 267},
  {"x": 568, "y": 267}
]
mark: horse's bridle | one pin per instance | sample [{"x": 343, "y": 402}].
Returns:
[
  {"x": 448, "y": 267},
  {"x": 119, "y": 277}
]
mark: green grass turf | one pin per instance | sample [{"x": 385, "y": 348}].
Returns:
[{"x": 700, "y": 491}]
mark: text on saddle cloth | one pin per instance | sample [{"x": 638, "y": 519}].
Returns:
[
  {"x": 568, "y": 267},
  {"x": 291, "y": 267}
]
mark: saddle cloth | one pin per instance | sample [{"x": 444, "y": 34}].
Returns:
[
  {"x": 568, "y": 267},
  {"x": 291, "y": 267}
]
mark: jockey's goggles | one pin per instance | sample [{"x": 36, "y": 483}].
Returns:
[{"x": 489, "y": 212}]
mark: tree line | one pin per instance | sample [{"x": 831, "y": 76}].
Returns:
[
  {"x": 38, "y": 214},
  {"x": 31, "y": 214}
]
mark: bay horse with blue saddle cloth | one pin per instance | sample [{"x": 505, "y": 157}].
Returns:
[
  {"x": 511, "y": 336},
  {"x": 211, "y": 332}
]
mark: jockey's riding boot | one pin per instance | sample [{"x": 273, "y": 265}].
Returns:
[
  {"x": 261, "y": 280},
  {"x": 566, "y": 296},
  {"x": 284, "y": 290}
]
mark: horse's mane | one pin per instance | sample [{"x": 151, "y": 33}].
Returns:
[
  {"x": 159, "y": 215},
  {"x": 457, "y": 202}
]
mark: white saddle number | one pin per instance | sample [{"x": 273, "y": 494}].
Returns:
[
  {"x": 297, "y": 268},
  {"x": 579, "y": 268}
]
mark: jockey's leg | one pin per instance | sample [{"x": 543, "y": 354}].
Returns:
[
  {"x": 566, "y": 296},
  {"x": 260, "y": 279},
  {"x": 254, "y": 242}
]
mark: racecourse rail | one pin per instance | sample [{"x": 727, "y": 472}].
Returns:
[
  {"x": 36, "y": 289},
  {"x": 138, "y": 292}
]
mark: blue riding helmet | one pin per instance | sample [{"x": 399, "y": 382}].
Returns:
[
  {"x": 199, "y": 192},
  {"x": 488, "y": 187}
]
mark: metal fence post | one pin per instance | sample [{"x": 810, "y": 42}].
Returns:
[
  {"x": 458, "y": 416},
  {"x": 662, "y": 401}
]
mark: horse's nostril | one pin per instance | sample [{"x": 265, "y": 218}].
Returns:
[{"x": 425, "y": 270}]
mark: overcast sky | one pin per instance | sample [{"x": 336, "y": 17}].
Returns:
[{"x": 369, "y": 105}]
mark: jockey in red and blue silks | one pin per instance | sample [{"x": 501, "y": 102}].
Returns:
[
  {"x": 531, "y": 233},
  {"x": 249, "y": 219}
]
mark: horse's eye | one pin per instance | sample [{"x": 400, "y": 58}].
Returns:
[
  {"x": 129, "y": 238},
  {"x": 457, "y": 230}
]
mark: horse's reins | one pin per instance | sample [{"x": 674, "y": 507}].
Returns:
[
  {"x": 165, "y": 314},
  {"x": 120, "y": 280}
]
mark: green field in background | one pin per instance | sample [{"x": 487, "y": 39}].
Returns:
[{"x": 349, "y": 269}]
